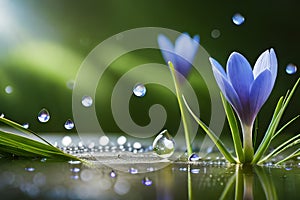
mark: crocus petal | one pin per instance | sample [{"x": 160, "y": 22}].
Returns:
[
  {"x": 260, "y": 91},
  {"x": 186, "y": 47},
  {"x": 262, "y": 63},
  {"x": 240, "y": 75},
  {"x": 226, "y": 88},
  {"x": 273, "y": 65},
  {"x": 167, "y": 49}
]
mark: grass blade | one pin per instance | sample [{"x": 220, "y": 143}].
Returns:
[
  {"x": 212, "y": 136},
  {"x": 234, "y": 129}
]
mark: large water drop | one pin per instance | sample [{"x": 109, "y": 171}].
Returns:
[
  {"x": 238, "y": 19},
  {"x": 69, "y": 124},
  {"x": 43, "y": 116},
  {"x": 139, "y": 90},
  {"x": 87, "y": 101},
  {"x": 291, "y": 69},
  {"x": 164, "y": 144}
]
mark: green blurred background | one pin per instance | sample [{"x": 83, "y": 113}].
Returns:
[{"x": 44, "y": 42}]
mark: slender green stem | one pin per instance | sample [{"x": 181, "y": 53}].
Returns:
[
  {"x": 190, "y": 191},
  {"x": 180, "y": 104},
  {"x": 238, "y": 183},
  {"x": 248, "y": 145}
]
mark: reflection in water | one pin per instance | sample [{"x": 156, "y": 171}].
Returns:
[{"x": 207, "y": 179}]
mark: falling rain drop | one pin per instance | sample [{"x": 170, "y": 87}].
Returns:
[
  {"x": 146, "y": 181},
  {"x": 139, "y": 90},
  {"x": 238, "y": 19},
  {"x": 9, "y": 89},
  {"x": 69, "y": 124},
  {"x": 164, "y": 144},
  {"x": 87, "y": 101},
  {"x": 43, "y": 115},
  {"x": 291, "y": 69},
  {"x": 194, "y": 157}
]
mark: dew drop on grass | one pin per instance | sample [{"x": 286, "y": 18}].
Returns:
[
  {"x": 43, "y": 116},
  {"x": 139, "y": 90},
  {"x": 194, "y": 157},
  {"x": 1, "y": 115},
  {"x": 164, "y": 144},
  {"x": 26, "y": 125},
  {"x": 238, "y": 19},
  {"x": 74, "y": 162},
  {"x": 87, "y": 101},
  {"x": 291, "y": 69},
  {"x": 146, "y": 181},
  {"x": 69, "y": 124}
]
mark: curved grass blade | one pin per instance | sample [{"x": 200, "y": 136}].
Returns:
[
  {"x": 212, "y": 136},
  {"x": 234, "y": 129},
  {"x": 266, "y": 183},
  {"x": 292, "y": 155},
  {"x": 280, "y": 108},
  {"x": 283, "y": 127},
  {"x": 11, "y": 143},
  {"x": 289, "y": 143}
]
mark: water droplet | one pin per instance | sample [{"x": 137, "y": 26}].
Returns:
[
  {"x": 146, "y": 181},
  {"x": 43, "y": 115},
  {"x": 9, "y": 89},
  {"x": 74, "y": 162},
  {"x": 2, "y": 115},
  {"x": 164, "y": 144},
  {"x": 70, "y": 84},
  {"x": 238, "y": 19},
  {"x": 87, "y": 101},
  {"x": 75, "y": 170},
  {"x": 113, "y": 174},
  {"x": 69, "y": 124},
  {"x": 66, "y": 141},
  {"x": 121, "y": 140},
  {"x": 137, "y": 145},
  {"x": 133, "y": 170},
  {"x": 215, "y": 33},
  {"x": 291, "y": 69},
  {"x": 194, "y": 157},
  {"x": 139, "y": 90},
  {"x": 195, "y": 171},
  {"x": 26, "y": 125},
  {"x": 104, "y": 140},
  {"x": 30, "y": 169},
  {"x": 43, "y": 159}
]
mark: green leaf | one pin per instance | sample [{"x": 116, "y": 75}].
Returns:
[
  {"x": 212, "y": 136},
  {"x": 283, "y": 127},
  {"x": 234, "y": 129},
  {"x": 292, "y": 155}
]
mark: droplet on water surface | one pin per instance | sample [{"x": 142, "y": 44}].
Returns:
[
  {"x": 66, "y": 141},
  {"x": 164, "y": 144},
  {"x": 69, "y": 124},
  {"x": 146, "y": 181},
  {"x": 139, "y": 90},
  {"x": 215, "y": 33},
  {"x": 121, "y": 140},
  {"x": 87, "y": 101},
  {"x": 43, "y": 115},
  {"x": 113, "y": 174},
  {"x": 291, "y": 69},
  {"x": 194, "y": 157},
  {"x": 238, "y": 19}
]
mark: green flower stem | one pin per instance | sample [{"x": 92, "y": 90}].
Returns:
[
  {"x": 178, "y": 95},
  {"x": 190, "y": 191},
  {"x": 248, "y": 145}
]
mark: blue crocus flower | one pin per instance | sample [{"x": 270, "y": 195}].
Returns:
[
  {"x": 182, "y": 53},
  {"x": 246, "y": 89}
]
